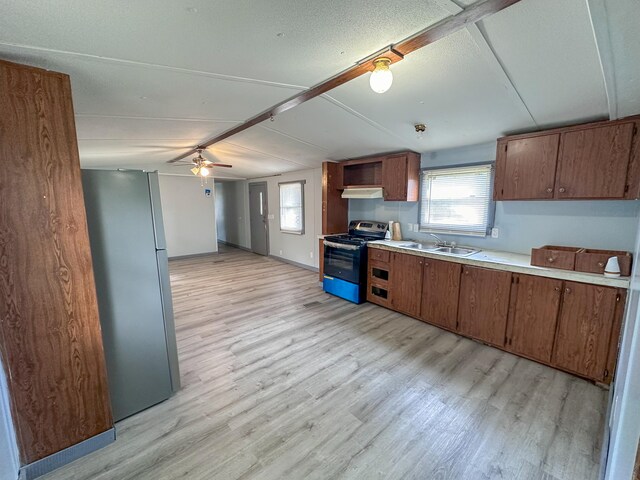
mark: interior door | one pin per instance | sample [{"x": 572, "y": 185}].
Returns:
[{"x": 258, "y": 218}]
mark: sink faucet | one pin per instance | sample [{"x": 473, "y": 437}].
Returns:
[{"x": 439, "y": 241}]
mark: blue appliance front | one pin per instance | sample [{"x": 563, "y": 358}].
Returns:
[{"x": 343, "y": 289}]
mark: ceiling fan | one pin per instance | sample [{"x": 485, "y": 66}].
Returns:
[{"x": 202, "y": 166}]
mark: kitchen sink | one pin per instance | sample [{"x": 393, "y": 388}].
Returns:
[{"x": 459, "y": 251}]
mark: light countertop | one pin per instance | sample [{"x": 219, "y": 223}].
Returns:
[{"x": 507, "y": 261}]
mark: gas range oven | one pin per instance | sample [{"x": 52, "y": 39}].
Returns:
[{"x": 345, "y": 259}]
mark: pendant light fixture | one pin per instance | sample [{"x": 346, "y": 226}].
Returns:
[{"x": 381, "y": 78}]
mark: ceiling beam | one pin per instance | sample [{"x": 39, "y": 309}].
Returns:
[{"x": 395, "y": 52}]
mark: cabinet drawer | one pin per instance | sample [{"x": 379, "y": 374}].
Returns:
[
  {"x": 379, "y": 255},
  {"x": 379, "y": 295},
  {"x": 594, "y": 261},
  {"x": 379, "y": 272},
  {"x": 554, "y": 257}
]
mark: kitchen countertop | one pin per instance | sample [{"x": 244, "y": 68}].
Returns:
[{"x": 507, "y": 261}]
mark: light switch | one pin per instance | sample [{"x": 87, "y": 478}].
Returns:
[{"x": 495, "y": 232}]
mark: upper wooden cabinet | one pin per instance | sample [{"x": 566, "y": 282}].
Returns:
[
  {"x": 334, "y": 207},
  {"x": 401, "y": 177},
  {"x": 528, "y": 167},
  {"x": 398, "y": 174},
  {"x": 533, "y": 315},
  {"x": 484, "y": 304},
  {"x": 592, "y": 161}
]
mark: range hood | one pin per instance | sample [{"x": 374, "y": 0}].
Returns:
[{"x": 362, "y": 192}]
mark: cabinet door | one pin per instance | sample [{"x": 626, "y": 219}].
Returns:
[
  {"x": 534, "y": 316},
  {"x": 529, "y": 168},
  {"x": 321, "y": 258},
  {"x": 584, "y": 330},
  {"x": 334, "y": 207},
  {"x": 394, "y": 178},
  {"x": 440, "y": 289},
  {"x": 593, "y": 162},
  {"x": 406, "y": 283},
  {"x": 484, "y": 304}
]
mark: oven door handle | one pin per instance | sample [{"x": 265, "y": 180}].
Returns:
[{"x": 341, "y": 246}]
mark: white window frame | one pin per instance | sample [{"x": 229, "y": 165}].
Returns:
[
  {"x": 301, "y": 183},
  {"x": 459, "y": 169}
]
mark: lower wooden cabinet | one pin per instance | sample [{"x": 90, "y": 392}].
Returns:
[
  {"x": 406, "y": 283},
  {"x": 533, "y": 316},
  {"x": 483, "y": 305},
  {"x": 321, "y": 258},
  {"x": 584, "y": 329},
  {"x": 568, "y": 325},
  {"x": 440, "y": 291}
]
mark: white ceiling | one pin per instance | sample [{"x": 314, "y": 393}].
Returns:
[{"x": 152, "y": 78}]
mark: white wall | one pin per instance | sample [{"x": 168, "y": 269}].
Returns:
[
  {"x": 8, "y": 450},
  {"x": 232, "y": 213},
  {"x": 625, "y": 410},
  {"x": 233, "y": 207},
  {"x": 189, "y": 216},
  {"x": 522, "y": 225}
]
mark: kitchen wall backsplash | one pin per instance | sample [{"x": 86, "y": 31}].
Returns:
[{"x": 607, "y": 224}]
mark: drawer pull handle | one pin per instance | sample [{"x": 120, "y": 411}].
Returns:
[
  {"x": 562, "y": 189},
  {"x": 557, "y": 289},
  {"x": 567, "y": 290},
  {"x": 601, "y": 264},
  {"x": 549, "y": 190},
  {"x": 551, "y": 259}
]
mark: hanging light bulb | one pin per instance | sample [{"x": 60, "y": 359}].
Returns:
[
  {"x": 204, "y": 171},
  {"x": 381, "y": 78}
]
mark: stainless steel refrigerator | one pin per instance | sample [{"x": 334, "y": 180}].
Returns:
[{"x": 131, "y": 267}]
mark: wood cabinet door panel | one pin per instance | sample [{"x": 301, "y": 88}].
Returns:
[
  {"x": 584, "y": 330},
  {"x": 534, "y": 316},
  {"x": 530, "y": 168},
  {"x": 593, "y": 162},
  {"x": 406, "y": 283},
  {"x": 394, "y": 178},
  {"x": 484, "y": 304},
  {"x": 440, "y": 289},
  {"x": 50, "y": 334}
]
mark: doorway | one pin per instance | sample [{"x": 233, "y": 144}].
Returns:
[{"x": 258, "y": 218}]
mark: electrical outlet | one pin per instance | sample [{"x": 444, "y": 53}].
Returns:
[
  {"x": 280, "y": 252},
  {"x": 495, "y": 232},
  {"x": 410, "y": 227},
  {"x": 310, "y": 254},
  {"x": 271, "y": 216}
]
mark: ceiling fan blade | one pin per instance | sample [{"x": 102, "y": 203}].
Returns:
[{"x": 226, "y": 165}]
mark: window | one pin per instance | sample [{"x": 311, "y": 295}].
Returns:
[
  {"x": 292, "y": 207},
  {"x": 457, "y": 200}
]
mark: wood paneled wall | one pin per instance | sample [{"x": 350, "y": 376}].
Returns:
[{"x": 50, "y": 338}]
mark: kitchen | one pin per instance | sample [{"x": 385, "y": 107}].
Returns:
[{"x": 405, "y": 252}]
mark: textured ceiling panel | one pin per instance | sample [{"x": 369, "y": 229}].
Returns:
[
  {"x": 548, "y": 50},
  {"x": 239, "y": 37},
  {"x": 624, "y": 17},
  {"x": 448, "y": 86}
]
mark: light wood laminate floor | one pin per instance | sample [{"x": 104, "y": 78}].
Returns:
[{"x": 282, "y": 381}]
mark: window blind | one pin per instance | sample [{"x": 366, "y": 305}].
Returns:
[
  {"x": 292, "y": 207},
  {"x": 456, "y": 200}
]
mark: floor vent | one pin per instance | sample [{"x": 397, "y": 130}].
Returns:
[{"x": 311, "y": 304}]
